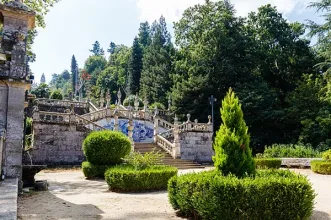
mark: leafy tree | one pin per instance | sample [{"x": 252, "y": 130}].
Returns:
[
  {"x": 93, "y": 66},
  {"x": 232, "y": 152},
  {"x": 74, "y": 72},
  {"x": 144, "y": 34},
  {"x": 42, "y": 91},
  {"x": 97, "y": 50},
  {"x": 135, "y": 67},
  {"x": 323, "y": 33},
  {"x": 157, "y": 64}
]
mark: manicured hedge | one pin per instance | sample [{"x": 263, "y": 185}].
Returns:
[
  {"x": 290, "y": 151},
  {"x": 106, "y": 147},
  {"x": 268, "y": 163},
  {"x": 272, "y": 194},
  {"x": 327, "y": 155},
  {"x": 94, "y": 171},
  {"x": 322, "y": 167},
  {"x": 127, "y": 178}
]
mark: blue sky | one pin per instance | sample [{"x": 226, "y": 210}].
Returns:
[{"x": 74, "y": 25}]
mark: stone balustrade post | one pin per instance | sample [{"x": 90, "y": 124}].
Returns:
[
  {"x": 116, "y": 125},
  {"x": 176, "y": 149},
  {"x": 210, "y": 124},
  {"x": 36, "y": 116},
  {"x": 189, "y": 124},
  {"x": 72, "y": 118},
  {"x": 156, "y": 128}
]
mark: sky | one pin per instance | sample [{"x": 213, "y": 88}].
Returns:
[{"x": 72, "y": 26}]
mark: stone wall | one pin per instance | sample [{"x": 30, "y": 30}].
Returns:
[
  {"x": 57, "y": 144},
  {"x": 196, "y": 146}
]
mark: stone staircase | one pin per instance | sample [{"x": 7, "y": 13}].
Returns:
[{"x": 167, "y": 159}]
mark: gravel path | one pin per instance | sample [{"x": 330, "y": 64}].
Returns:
[{"x": 71, "y": 197}]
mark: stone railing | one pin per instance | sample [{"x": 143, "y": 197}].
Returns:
[
  {"x": 164, "y": 144},
  {"x": 62, "y": 103},
  {"x": 95, "y": 116},
  {"x": 52, "y": 117},
  {"x": 92, "y": 107},
  {"x": 88, "y": 124},
  {"x": 169, "y": 134},
  {"x": 164, "y": 124}
]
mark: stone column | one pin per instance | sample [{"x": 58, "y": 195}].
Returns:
[
  {"x": 156, "y": 127},
  {"x": 116, "y": 125},
  {"x": 176, "y": 149}
]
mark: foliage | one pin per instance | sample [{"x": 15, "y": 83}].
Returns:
[
  {"x": 61, "y": 82},
  {"x": 290, "y": 151},
  {"x": 321, "y": 167},
  {"x": 135, "y": 67},
  {"x": 155, "y": 76},
  {"x": 106, "y": 147},
  {"x": 158, "y": 105},
  {"x": 327, "y": 155},
  {"x": 142, "y": 161},
  {"x": 56, "y": 94},
  {"x": 232, "y": 152},
  {"x": 74, "y": 73},
  {"x": 94, "y": 171},
  {"x": 272, "y": 194},
  {"x": 263, "y": 163},
  {"x": 127, "y": 178},
  {"x": 42, "y": 91},
  {"x": 129, "y": 101},
  {"x": 97, "y": 49},
  {"x": 93, "y": 66}
]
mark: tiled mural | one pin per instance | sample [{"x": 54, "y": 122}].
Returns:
[{"x": 143, "y": 131}]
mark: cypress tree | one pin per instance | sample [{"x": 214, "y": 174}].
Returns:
[
  {"x": 74, "y": 72},
  {"x": 135, "y": 67},
  {"x": 232, "y": 152}
]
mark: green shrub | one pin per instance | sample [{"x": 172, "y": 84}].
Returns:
[
  {"x": 130, "y": 101},
  {"x": 106, "y": 147},
  {"x": 158, "y": 105},
  {"x": 127, "y": 178},
  {"x": 321, "y": 167},
  {"x": 232, "y": 152},
  {"x": 269, "y": 163},
  {"x": 94, "y": 171},
  {"x": 327, "y": 155},
  {"x": 56, "y": 94},
  {"x": 272, "y": 194},
  {"x": 290, "y": 151},
  {"x": 142, "y": 161}
]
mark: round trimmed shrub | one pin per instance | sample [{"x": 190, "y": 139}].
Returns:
[
  {"x": 272, "y": 194},
  {"x": 321, "y": 167},
  {"x": 106, "y": 147},
  {"x": 94, "y": 171},
  {"x": 268, "y": 163},
  {"x": 127, "y": 178},
  {"x": 327, "y": 155}
]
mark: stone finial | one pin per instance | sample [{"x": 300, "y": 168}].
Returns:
[
  {"x": 196, "y": 121},
  {"x": 156, "y": 112},
  {"x": 169, "y": 103},
  {"x": 136, "y": 102},
  {"x": 145, "y": 104},
  {"x": 119, "y": 97},
  {"x": 176, "y": 119},
  {"x": 209, "y": 119},
  {"x": 188, "y": 117}
]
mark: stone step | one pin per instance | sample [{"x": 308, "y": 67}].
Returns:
[{"x": 167, "y": 159}]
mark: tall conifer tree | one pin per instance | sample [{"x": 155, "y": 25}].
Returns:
[{"x": 135, "y": 67}]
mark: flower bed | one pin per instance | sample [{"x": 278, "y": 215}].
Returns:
[
  {"x": 128, "y": 178},
  {"x": 272, "y": 194},
  {"x": 268, "y": 163}
]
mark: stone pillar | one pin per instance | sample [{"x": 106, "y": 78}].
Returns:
[
  {"x": 176, "y": 149},
  {"x": 130, "y": 130},
  {"x": 156, "y": 127},
  {"x": 116, "y": 125}
]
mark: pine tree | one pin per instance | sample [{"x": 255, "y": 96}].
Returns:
[
  {"x": 97, "y": 50},
  {"x": 135, "y": 67},
  {"x": 144, "y": 34},
  {"x": 111, "y": 48},
  {"x": 74, "y": 73},
  {"x": 232, "y": 152}
]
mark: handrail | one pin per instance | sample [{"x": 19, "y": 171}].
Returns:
[
  {"x": 65, "y": 103},
  {"x": 168, "y": 134},
  {"x": 88, "y": 123},
  {"x": 93, "y": 107},
  {"x": 164, "y": 124},
  {"x": 164, "y": 144}
]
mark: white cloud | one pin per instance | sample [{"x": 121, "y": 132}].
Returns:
[{"x": 173, "y": 9}]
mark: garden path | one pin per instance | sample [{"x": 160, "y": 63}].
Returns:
[{"x": 70, "y": 197}]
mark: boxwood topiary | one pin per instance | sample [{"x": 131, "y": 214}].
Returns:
[
  {"x": 268, "y": 163},
  {"x": 94, "y": 171},
  {"x": 106, "y": 147},
  {"x": 321, "y": 167},
  {"x": 272, "y": 194},
  {"x": 127, "y": 178}
]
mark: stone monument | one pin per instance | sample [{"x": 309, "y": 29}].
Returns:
[{"x": 17, "y": 19}]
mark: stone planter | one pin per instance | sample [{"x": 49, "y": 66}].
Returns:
[{"x": 298, "y": 162}]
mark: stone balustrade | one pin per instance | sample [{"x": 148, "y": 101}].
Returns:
[
  {"x": 63, "y": 103},
  {"x": 165, "y": 144}
]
